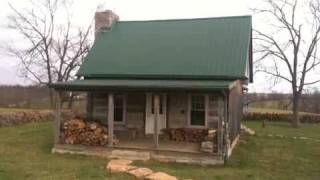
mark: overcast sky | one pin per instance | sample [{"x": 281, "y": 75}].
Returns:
[{"x": 135, "y": 10}]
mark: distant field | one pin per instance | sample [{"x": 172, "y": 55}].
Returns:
[
  {"x": 272, "y": 104},
  {"x": 269, "y": 110},
  {"x": 43, "y": 104}
]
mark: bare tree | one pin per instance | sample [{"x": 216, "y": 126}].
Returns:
[
  {"x": 53, "y": 48},
  {"x": 289, "y": 44}
]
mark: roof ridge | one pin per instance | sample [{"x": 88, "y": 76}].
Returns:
[{"x": 186, "y": 19}]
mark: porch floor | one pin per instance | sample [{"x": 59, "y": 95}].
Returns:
[
  {"x": 147, "y": 142},
  {"x": 164, "y": 145}
]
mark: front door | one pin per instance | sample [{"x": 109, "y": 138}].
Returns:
[
  {"x": 150, "y": 113},
  {"x": 119, "y": 109}
]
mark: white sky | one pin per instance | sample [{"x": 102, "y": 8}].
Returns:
[{"x": 135, "y": 10}]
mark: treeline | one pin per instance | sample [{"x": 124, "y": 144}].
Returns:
[
  {"x": 24, "y": 96},
  {"x": 37, "y": 97},
  {"x": 310, "y": 102}
]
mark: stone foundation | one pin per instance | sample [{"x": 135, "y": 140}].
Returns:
[{"x": 142, "y": 155}]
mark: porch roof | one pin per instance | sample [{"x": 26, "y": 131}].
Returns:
[{"x": 143, "y": 84}]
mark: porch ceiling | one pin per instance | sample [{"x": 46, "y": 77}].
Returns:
[{"x": 142, "y": 84}]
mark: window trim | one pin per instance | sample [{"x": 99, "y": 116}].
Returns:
[{"x": 206, "y": 100}]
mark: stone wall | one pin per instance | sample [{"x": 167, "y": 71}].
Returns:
[{"x": 27, "y": 116}]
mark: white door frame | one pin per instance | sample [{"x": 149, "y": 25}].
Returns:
[{"x": 149, "y": 118}]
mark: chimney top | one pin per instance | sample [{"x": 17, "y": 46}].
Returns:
[
  {"x": 104, "y": 20},
  {"x": 102, "y": 7}
]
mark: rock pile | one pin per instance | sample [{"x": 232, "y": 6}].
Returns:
[{"x": 26, "y": 116}]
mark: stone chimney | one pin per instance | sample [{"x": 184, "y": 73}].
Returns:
[{"x": 104, "y": 21}]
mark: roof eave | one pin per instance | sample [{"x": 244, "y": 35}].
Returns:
[{"x": 160, "y": 77}]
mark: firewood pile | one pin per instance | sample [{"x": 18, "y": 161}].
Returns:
[
  {"x": 185, "y": 134},
  {"x": 78, "y": 131}
]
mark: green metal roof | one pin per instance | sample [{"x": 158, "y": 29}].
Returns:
[
  {"x": 134, "y": 84},
  {"x": 214, "y": 48}
]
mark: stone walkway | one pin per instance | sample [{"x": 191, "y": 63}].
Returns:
[
  {"x": 124, "y": 166},
  {"x": 247, "y": 130},
  {"x": 253, "y": 133}
]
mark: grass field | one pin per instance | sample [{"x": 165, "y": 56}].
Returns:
[
  {"x": 272, "y": 104},
  {"x": 25, "y": 154},
  {"x": 277, "y": 111}
]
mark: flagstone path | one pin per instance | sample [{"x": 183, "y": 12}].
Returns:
[{"x": 124, "y": 166}]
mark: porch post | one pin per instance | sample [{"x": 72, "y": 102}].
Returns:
[
  {"x": 220, "y": 125},
  {"x": 226, "y": 125},
  {"x": 156, "y": 119},
  {"x": 110, "y": 119},
  {"x": 57, "y": 121}
]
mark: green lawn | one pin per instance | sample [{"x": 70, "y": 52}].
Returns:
[
  {"x": 13, "y": 110},
  {"x": 25, "y": 154}
]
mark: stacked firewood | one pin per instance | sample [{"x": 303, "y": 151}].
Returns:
[
  {"x": 78, "y": 131},
  {"x": 185, "y": 134}
]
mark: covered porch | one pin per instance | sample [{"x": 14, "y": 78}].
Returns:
[{"x": 155, "y": 115}]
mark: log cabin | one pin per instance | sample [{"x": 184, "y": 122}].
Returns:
[{"x": 171, "y": 89}]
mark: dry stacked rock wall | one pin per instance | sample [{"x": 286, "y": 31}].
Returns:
[{"x": 28, "y": 116}]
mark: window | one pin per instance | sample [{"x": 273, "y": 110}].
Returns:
[
  {"x": 118, "y": 108},
  {"x": 161, "y": 99},
  {"x": 197, "y": 110}
]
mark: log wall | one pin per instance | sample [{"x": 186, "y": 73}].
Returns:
[
  {"x": 100, "y": 107},
  {"x": 235, "y": 110},
  {"x": 177, "y": 110},
  {"x": 177, "y": 116},
  {"x": 135, "y": 110},
  {"x": 213, "y": 110}
]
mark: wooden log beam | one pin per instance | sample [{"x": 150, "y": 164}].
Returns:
[
  {"x": 156, "y": 119},
  {"x": 57, "y": 121},
  {"x": 110, "y": 119}
]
